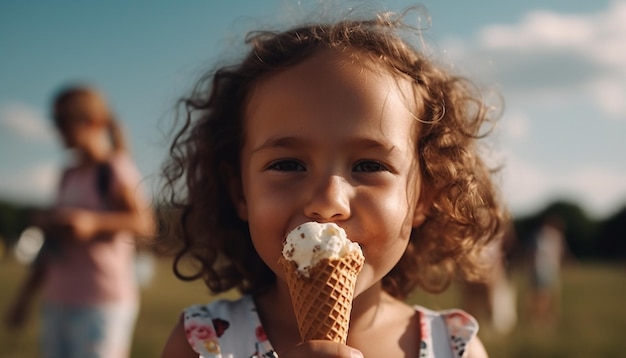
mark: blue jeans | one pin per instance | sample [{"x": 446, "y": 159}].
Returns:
[{"x": 96, "y": 331}]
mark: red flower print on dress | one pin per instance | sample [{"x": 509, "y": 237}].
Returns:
[
  {"x": 260, "y": 334},
  {"x": 199, "y": 331},
  {"x": 220, "y": 326}
]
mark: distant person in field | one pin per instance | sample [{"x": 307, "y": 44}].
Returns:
[
  {"x": 548, "y": 247},
  {"x": 86, "y": 266}
]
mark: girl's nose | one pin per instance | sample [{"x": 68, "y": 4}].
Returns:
[{"x": 330, "y": 200}]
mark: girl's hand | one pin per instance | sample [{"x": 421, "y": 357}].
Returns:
[
  {"x": 322, "y": 349},
  {"x": 81, "y": 225}
]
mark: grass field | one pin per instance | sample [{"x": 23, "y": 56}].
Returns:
[{"x": 592, "y": 322}]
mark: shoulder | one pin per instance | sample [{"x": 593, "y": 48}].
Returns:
[
  {"x": 125, "y": 175},
  {"x": 123, "y": 165},
  {"x": 456, "y": 320},
  {"x": 449, "y": 329},
  {"x": 65, "y": 173},
  {"x": 177, "y": 345},
  {"x": 476, "y": 349},
  {"x": 195, "y": 334},
  {"x": 222, "y": 326},
  {"x": 234, "y": 310}
]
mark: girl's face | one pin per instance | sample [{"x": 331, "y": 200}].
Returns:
[
  {"x": 81, "y": 120},
  {"x": 330, "y": 140}
]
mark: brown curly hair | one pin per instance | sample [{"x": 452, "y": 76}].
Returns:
[{"x": 205, "y": 157}]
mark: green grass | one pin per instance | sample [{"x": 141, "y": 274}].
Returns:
[{"x": 592, "y": 322}]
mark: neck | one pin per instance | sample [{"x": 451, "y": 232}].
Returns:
[
  {"x": 368, "y": 307},
  {"x": 278, "y": 296},
  {"x": 97, "y": 150},
  {"x": 281, "y": 329}
]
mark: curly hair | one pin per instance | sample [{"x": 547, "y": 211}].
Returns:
[{"x": 205, "y": 158}]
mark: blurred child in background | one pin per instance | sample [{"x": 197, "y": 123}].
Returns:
[
  {"x": 548, "y": 249},
  {"x": 86, "y": 266}
]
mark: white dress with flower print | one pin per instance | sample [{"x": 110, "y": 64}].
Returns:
[{"x": 232, "y": 329}]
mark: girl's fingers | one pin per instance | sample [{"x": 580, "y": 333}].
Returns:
[{"x": 322, "y": 349}]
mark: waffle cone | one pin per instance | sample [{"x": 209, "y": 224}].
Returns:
[{"x": 322, "y": 301}]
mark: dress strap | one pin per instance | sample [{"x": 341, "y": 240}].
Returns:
[
  {"x": 227, "y": 329},
  {"x": 445, "y": 333},
  {"x": 200, "y": 331}
]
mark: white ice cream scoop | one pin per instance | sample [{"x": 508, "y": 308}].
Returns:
[{"x": 311, "y": 242}]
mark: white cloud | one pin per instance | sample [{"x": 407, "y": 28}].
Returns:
[
  {"x": 524, "y": 186},
  {"x": 558, "y": 73},
  {"x": 602, "y": 189},
  {"x": 528, "y": 187},
  {"x": 610, "y": 96},
  {"x": 516, "y": 126},
  {"x": 572, "y": 55},
  {"x": 35, "y": 184},
  {"x": 538, "y": 29},
  {"x": 598, "y": 35},
  {"x": 25, "y": 121}
]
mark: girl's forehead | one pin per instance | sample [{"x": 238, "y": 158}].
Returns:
[
  {"x": 331, "y": 96},
  {"x": 341, "y": 72}
]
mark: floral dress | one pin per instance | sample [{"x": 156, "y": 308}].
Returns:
[{"x": 232, "y": 329}]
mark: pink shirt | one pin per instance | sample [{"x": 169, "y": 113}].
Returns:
[{"x": 102, "y": 269}]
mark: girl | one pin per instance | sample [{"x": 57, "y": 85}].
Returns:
[
  {"x": 90, "y": 298},
  {"x": 342, "y": 123}
]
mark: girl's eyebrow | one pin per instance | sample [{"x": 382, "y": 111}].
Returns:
[
  {"x": 295, "y": 142},
  {"x": 280, "y": 142},
  {"x": 368, "y": 143}
]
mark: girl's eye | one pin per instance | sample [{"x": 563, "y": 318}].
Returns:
[
  {"x": 369, "y": 166},
  {"x": 287, "y": 166}
]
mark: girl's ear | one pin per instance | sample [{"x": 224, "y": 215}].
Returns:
[
  {"x": 423, "y": 207},
  {"x": 242, "y": 207},
  {"x": 420, "y": 214},
  {"x": 235, "y": 190}
]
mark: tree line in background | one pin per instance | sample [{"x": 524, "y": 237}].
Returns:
[{"x": 587, "y": 238}]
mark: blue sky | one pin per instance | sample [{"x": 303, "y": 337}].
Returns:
[{"x": 559, "y": 65}]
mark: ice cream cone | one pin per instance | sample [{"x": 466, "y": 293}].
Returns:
[{"x": 322, "y": 301}]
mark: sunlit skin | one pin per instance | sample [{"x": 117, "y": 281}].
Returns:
[{"x": 330, "y": 140}]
